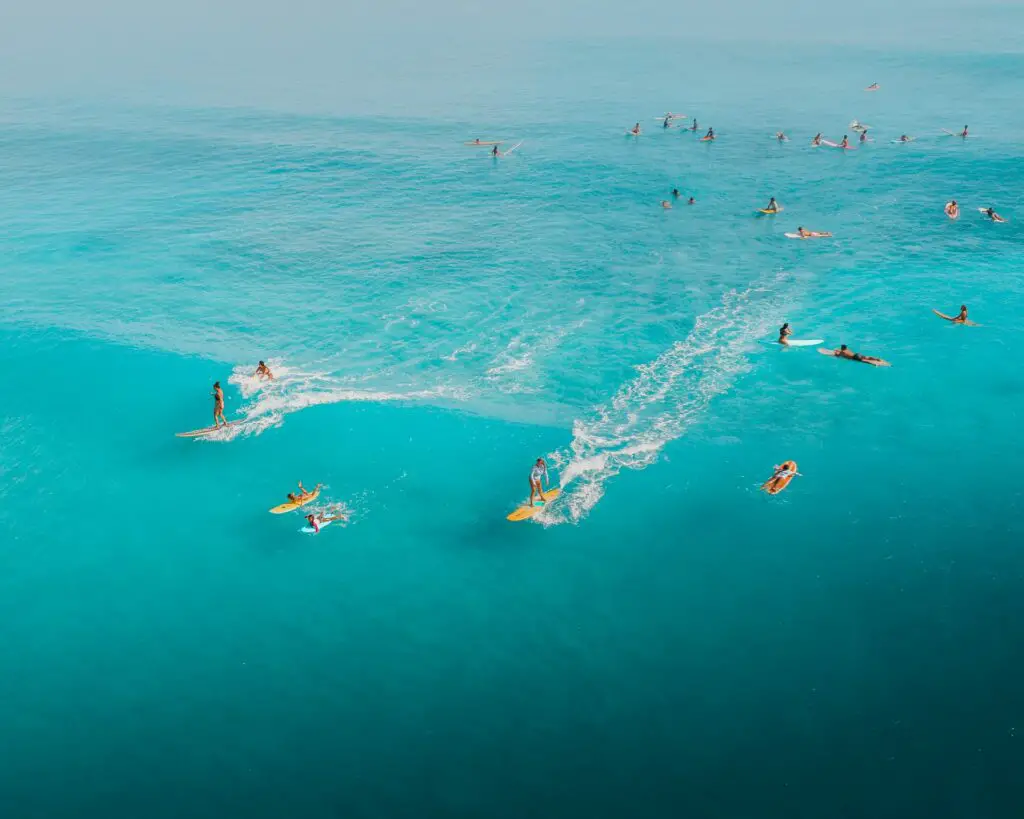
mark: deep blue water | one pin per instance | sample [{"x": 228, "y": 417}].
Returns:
[{"x": 665, "y": 640}]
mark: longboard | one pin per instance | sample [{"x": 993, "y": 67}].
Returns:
[
  {"x": 967, "y": 323},
  {"x": 985, "y": 211},
  {"x": 953, "y": 133},
  {"x": 802, "y": 342},
  {"x": 291, "y": 506},
  {"x": 525, "y": 512},
  {"x": 482, "y": 144},
  {"x": 808, "y": 236},
  {"x": 902, "y": 141},
  {"x": 510, "y": 150},
  {"x": 767, "y": 212},
  {"x": 199, "y": 433},
  {"x": 874, "y": 363},
  {"x": 784, "y": 482},
  {"x": 707, "y": 139}
]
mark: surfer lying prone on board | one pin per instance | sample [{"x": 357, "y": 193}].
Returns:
[
  {"x": 781, "y": 475},
  {"x": 537, "y": 474},
  {"x": 329, "y": 514},
  {"x": 846, "y": 352},
  {"x": 303, "y": 493},
  {"x": 991, "y": 214}
]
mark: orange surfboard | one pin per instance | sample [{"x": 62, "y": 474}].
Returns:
[{"x": 773, "y": 486}]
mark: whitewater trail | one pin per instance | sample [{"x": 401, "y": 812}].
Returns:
[{"x": 668, "y": 396}]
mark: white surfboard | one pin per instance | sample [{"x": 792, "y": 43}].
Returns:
[
  {"x": 510, "y": 150},
  {"x": 803, "y": 342}
]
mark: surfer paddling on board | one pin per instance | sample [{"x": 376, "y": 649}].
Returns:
[
  {"x": 263, "y": 371},
  {"x": 991, "y": 214},
  {"x": 784, "y": 333},
  {"x": 952, "y": 209},
  {"x": 319, "y": 519},
  {"x": 781, "y": 474},
  {"x": 537, "y": 474},
  {"x": 846, "y": 352},
  {"x": 218, "y": 406}
]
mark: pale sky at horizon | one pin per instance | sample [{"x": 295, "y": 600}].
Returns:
[{"x": 213, "y": 52}]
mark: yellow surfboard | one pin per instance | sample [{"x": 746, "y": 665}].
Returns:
[
  {"x": 291, "y": 506},
  {"x": 525, "y": 512}
]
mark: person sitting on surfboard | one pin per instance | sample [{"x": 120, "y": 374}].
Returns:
[
  {"x": 710, "y": 134},
  {"x": 772, "y": 206},
  {"x": 495, "y": 151},
  {"x": 636, "y": 130},
  {"x": 817, "y": 139},
  {"x": 263, "y": 371},
  {"x": 845, "y": 143},
  {"x": 781, "y": 136},
  {"x": 963, "y": 133},
  {"x": 784, "y": 333},
  {"x": 668, "y": 122},
  {"x": 864, "y": 135},
  {"x": 991, "y": 214},
  {"x": 952, "y": 209},
  {"x": 539, "y": 471},
  {"x": 695, "y": 127},
  {"x": 218, "y": 405},
  {"x": 675, "y": 193},
  {"x": 962, "y": 316}
]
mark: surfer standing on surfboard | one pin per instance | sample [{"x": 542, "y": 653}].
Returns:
[
  {"x": 537, "y": 474},
  {"x": 218, "y": 406}
]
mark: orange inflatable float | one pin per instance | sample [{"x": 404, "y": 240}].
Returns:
[{"x": 780, "y": 480}]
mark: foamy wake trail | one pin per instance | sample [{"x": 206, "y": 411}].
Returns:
[
  {"x": 292, "y": 390},
  {"x": 667, "y": 397}
]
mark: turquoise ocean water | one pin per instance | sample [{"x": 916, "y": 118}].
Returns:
[{"x": 665, "y": 640}]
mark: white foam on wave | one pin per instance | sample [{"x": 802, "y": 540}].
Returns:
[
  {"x": 666, "y": 398},
  {"x": 292, "y": 390}
]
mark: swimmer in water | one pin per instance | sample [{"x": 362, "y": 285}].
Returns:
[
  {"x": 537, "y": 474},
  {"x": 991, "y": 214},
  {"x": 784, "y": 333},
  {"x": 952, "y": 209},
  {"x": 318, "y": 520},
  {"x": 904, "y": 138},
  {"x": 691, "y": 201},
  {"x": 817, "y": 139},
  {"x": 263, "y": 371},
  {"x": 781, "y": 136},
  {"x": 675, "y": 193},
  {"x": 218, "y": 406}
]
